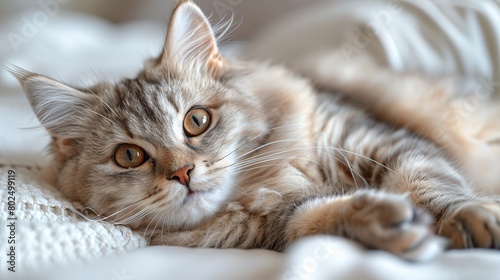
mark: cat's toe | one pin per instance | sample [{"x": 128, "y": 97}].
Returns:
[
  {"x": 475, "y": 225},
  {"x": 390, "y": 222}
]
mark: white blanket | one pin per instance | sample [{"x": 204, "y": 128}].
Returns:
[{"x": 54, "y": 243}]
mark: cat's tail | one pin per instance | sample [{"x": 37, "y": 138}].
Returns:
[{"x": 468, "y": 127}]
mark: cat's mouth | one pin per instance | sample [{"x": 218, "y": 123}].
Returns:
[{"x": 192, "y": 193}]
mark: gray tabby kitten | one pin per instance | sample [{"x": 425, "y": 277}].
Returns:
[{"x": 202, "y": 151}]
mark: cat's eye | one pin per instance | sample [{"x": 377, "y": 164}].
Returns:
[
  {"x": 196, "y": 121},
  {"x": 130, "y": 156}
]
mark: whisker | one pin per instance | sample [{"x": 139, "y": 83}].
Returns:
[
  {"x": 238, "y": 189},
  {"x": 113, "y": 214},
  {"x": 147, "y": 227},
  {"x": 244, "y": 168},
  {"x": 315, "y": 147},
  {"x": 139, "y": 215},
  {"x": 164, "y": 209},
  {"x": 271, "y": 156},
  {"x": 255, "y": 137},
  {"x": 156, "y": 225},
  {"x": 218, "y": 150},
  {"x": 365, "y": 157}
]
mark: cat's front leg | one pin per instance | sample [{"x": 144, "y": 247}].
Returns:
[{"x": 379, "y": 220}]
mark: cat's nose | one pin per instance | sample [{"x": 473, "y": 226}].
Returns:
[{"x": 182, "y": 175}]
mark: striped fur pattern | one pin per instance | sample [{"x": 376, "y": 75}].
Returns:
[{"x": 279, "y": 161}]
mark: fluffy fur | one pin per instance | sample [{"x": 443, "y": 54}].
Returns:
[{"x": 279, "y": 161}]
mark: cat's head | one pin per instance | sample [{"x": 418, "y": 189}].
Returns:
[{"x": 161, "y": 146}]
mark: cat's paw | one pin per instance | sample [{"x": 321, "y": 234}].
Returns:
[
  {"x": 474, "y": 225},
  {"x": 390, "y": 222}
]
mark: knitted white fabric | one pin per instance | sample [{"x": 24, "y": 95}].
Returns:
[{"x": 48, "y": 233}]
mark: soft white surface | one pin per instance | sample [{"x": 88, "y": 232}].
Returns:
[
  {"x": 324, "y": 257},
  {"x": 51, "y": 242}
]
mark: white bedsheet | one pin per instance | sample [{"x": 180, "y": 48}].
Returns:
[
  {"x": 312, "y": 258},
  {"x": 61, "y": 51}
]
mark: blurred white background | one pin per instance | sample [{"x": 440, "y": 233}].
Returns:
[
  {"x": 257, "y": 13},
  {"x": 34, "y": 33}
]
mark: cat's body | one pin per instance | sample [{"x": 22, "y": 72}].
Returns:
[
  {"x": 202, "y": 151},
  {"x": 327, "y": 152}
]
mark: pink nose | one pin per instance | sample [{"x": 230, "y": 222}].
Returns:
[{"x": 182, "y": 175}]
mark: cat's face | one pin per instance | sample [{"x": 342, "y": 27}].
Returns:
[{"x": 160, "y": 148}]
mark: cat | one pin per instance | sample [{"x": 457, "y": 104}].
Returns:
[{"x": 201, "y": 150}]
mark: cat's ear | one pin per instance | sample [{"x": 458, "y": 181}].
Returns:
[
  {"x": 61, "y": 109},
  {"x": 190, "y": 38}
]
